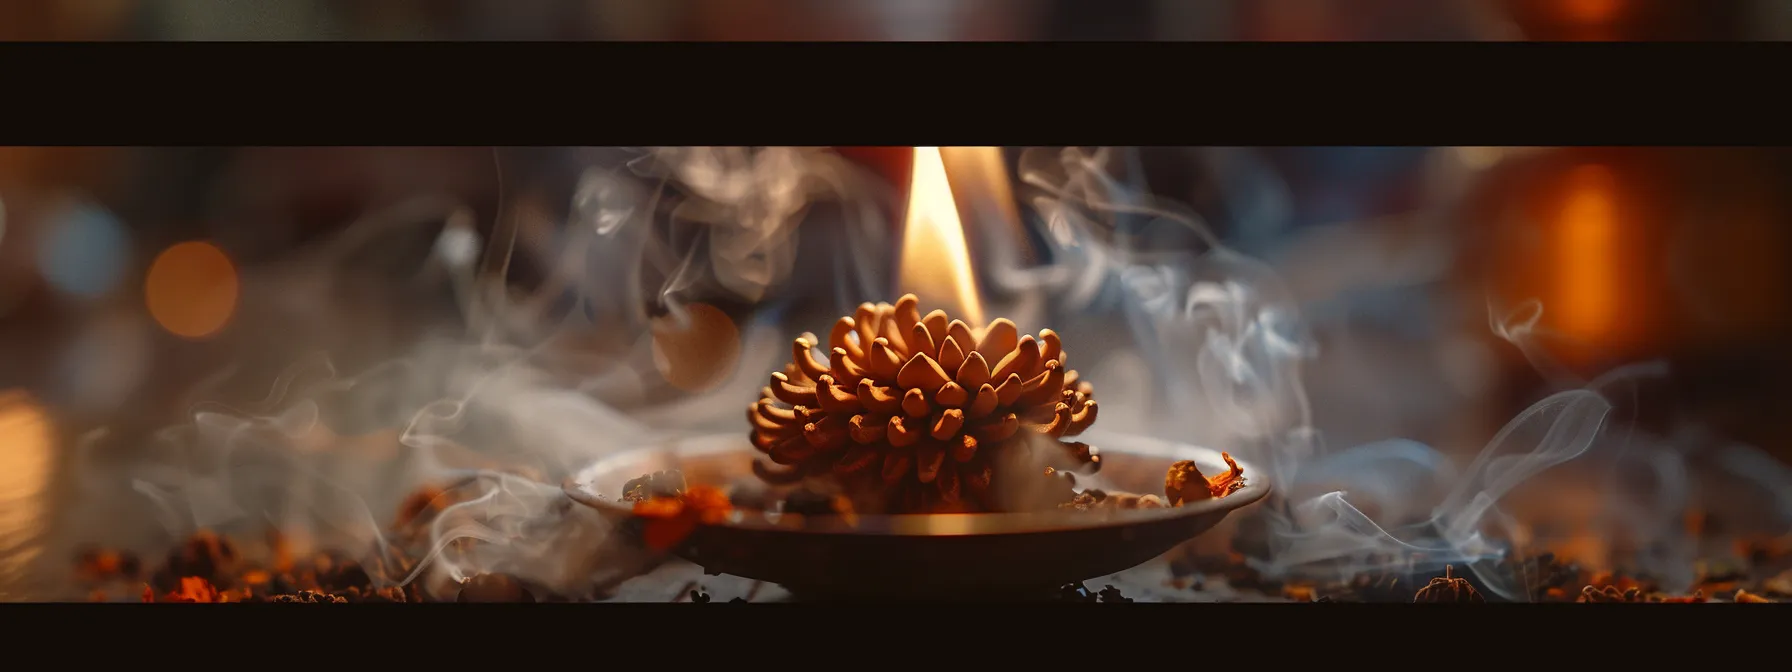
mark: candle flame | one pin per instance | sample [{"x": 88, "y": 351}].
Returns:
[
  {"x": 982, "y": 169},
  {"x": 1588, "y": 230},
  {"x": 936, "y": 264},
  {"x": 980, "y": 184}
]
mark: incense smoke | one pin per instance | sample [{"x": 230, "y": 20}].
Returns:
[
  {"x": 536, "y": 379},
  {"x": 533, "y": 379},
  {"x": 1228, "y": 346}
]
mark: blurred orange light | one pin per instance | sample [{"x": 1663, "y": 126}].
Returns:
[
  {"x": 26, "y": 444},
  {"x": 1592, "y": 11},
  {"x": 1588, "y": 235},
  {"x": 192, "y": 289}
]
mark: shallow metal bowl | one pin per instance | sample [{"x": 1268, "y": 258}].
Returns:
[{"x": 927, "y": 555}]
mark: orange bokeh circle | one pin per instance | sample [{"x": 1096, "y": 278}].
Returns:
[{"x": 192, "y": 289}]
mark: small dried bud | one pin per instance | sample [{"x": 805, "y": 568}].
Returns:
[
  {"x": 1449, "y": 588},
  {"x": 192, "y": 589},
  {"x": 308, "y": 597},
  {"x": 1605, "y": 594},
  {"x": 1184, "y": 483},
  {"x": 1748, "y": 597}
]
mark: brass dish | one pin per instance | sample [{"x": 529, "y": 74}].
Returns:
[{"x": 926, "y": 556}]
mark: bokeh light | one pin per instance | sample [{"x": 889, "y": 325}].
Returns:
[
  {"x": 698, "y": 351},
  {"x": 25, "y": 448},
  {"x": 1592, "y": 11},
  {"x": 1589, "y": 234},
  {"x": 105, "y": 363},
  {"x": 84, "y": 251},
  {"x": 1480, "y": 158},
  {"x": 1729, "y": 269},
  {"x": 458, "y": 245},
  {"x": 192, "y": 289}
]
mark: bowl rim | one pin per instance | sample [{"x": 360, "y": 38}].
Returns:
[{"x": 1257, "y": 486}]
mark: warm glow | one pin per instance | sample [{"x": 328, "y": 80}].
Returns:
[
  {"x": 1588, "y": 233},
  {"x": 950, "y": 523},
  {"x": 192, "y": 289},
  {"x": 25, "y": 449},
  {"x": 1592, "y": 11},
  {"x": 698, "y": 350},
  {"x": 980, "y": 174},
  {"x": 980, "y": 184},
  {"x": 936, "y": 265}
]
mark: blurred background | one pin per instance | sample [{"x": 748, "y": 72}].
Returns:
[
  {"x": 136, "y": 283},
  {"x": 897, "y": 20}
]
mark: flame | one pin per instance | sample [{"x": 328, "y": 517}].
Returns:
[
  {"x": 936, "y": 264},
  {"x": 1588, "y": 230},
  {"x": 980, "y": 184}
]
